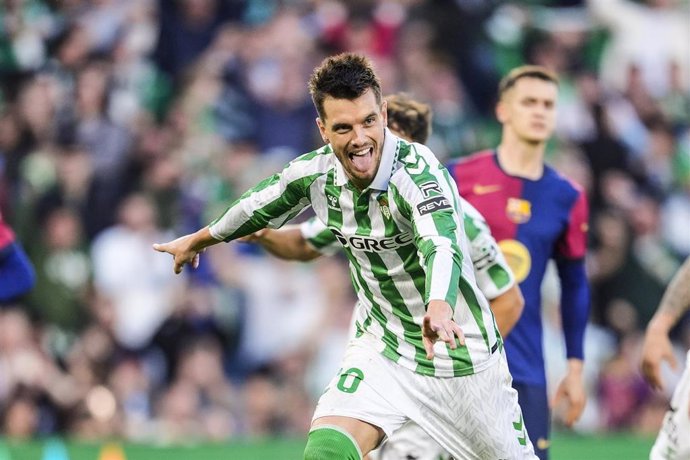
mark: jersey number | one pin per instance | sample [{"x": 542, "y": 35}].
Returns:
[{"x": 350, "y": 379}]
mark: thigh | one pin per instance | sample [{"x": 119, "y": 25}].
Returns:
[
  {"x": 479, "y": 417},
  {"x": 535, "y": 409},
  {"x": 673, "y": 441},
  {"x": 363, "y": 397},
  {"x": 410, "y": 441}
]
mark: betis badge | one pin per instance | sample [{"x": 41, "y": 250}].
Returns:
[{"x": 385, "y": 210}]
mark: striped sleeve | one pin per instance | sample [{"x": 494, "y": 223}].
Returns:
[
  {"x": 319, "y": 236},
  {"x": 493, "y": 275},
  {"x": 272, "y": 202},
  {"x": 425, "y": 191}
]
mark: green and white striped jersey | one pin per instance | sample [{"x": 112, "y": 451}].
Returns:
[
  {"x": 491, "y": 271},
  {"x": 405, "y": 242}
]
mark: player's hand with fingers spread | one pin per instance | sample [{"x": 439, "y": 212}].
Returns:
[
  {"x": 186, "y": 249},
  {"x": 571, "y": 393},
  {"x": 655, "y": 349},
  {"x": 439, "y": 325}
]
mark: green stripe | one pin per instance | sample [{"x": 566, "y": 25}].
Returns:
[
  {"x": 408, "y": 255},
  {"x": 471, "y": 229},
  {"x": 475, "y": 308},
  {"x": 499, "y": 276},
  {"x": 289, "y": 199},
  {"x": 311, "y": 155},
  {"x": 401, "y": 203},
  {"x": 412, "y": 332},
  {"x": 260, "y": 186},
  {"x": 335, "y": 216},
  {"x": 445, "y": 225},
  {"x": 389, "y": 339},
  {"x": 323, "y": 239}
]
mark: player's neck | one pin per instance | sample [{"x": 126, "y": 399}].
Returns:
[{"x": 521, "y": 159}]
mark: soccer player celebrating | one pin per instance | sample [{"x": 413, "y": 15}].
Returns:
[
  {"x": 536, "y": 215},
  {"x": 427, "y": 334},
  {"x": 411, "y": 120},
  {"x": 672, "y": 443}
]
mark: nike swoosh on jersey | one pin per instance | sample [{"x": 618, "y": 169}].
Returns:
[{"x": 479, "y": 189}]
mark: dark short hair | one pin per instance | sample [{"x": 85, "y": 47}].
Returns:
[
  {"x": 409, "y": 117},
  {"x": 345, "y": 76},
  {"x": 525, "y": 71}
]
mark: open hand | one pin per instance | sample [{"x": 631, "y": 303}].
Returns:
[{"x": 439, "y": 325}]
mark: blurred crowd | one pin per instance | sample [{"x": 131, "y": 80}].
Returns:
[{"x": 126, "y": 122}]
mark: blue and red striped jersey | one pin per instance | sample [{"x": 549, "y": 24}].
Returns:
[{"x": 533, "y": 221}]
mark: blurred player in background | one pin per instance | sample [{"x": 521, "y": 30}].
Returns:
[
  {"x": 673, "y": 441},
  {"x": 535, "y": 215},
  {"x": 425, "y": 333},
  {"x": 16, "y": 272},
  {"x": 411, "y": 120}
]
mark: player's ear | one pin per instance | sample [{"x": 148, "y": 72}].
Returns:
[
  {"x": 384, "y": 112},
  {"x": 322, "y": 129},
  {"x": 501, "y": 111}
]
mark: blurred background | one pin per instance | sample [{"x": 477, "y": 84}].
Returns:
[{"x": 128, "y": 122}]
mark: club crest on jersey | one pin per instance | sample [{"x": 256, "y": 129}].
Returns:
[
  {"x": 385, "y": 210},
  {"x": 518, "y": 210},
  {"x": 332, "y": 201}
]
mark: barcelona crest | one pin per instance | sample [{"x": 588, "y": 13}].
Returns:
[{"x": 518, "y": 210}]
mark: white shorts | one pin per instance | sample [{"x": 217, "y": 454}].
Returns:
[
  {"x": 673, "y": 441},
  {"x": 410, "y": 441},
  {"x": 472, "y": 417}
]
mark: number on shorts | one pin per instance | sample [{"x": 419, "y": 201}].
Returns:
[{"x": 349, "y": 380}]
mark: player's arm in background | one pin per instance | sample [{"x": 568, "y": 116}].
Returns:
[
  {"x": 494, "y": 277},
  {"x": 657, "y": 345},
  {"x": 302, "y": 242},
  {"x": 285, "y": 243},
  {"x": 570, "y": 262}
]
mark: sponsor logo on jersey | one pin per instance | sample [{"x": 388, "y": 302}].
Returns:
[
  {"x": 373, "y": 244},
  {"x": 518, "y": 257},
  {"x": 518, "y": 210},
  {"x": 332, "y": 201},
  {"x": 479, "y": 189},
  {"x": 428, "y": 187},
  {"x": 433, "y": 204}
]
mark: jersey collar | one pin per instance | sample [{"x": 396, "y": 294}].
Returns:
[{"x": 385, "y": 171}]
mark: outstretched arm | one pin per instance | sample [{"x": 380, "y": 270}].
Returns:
[
  {"x": 186, "y": 249},
  {"x": 657, "y": 345},
  {"x": 285, "y": 243}
]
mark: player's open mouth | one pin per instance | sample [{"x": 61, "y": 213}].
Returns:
[{"x": 362, "y": 159}]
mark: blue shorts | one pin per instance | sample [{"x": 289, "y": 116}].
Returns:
[{"x": 534, "y": 403}]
